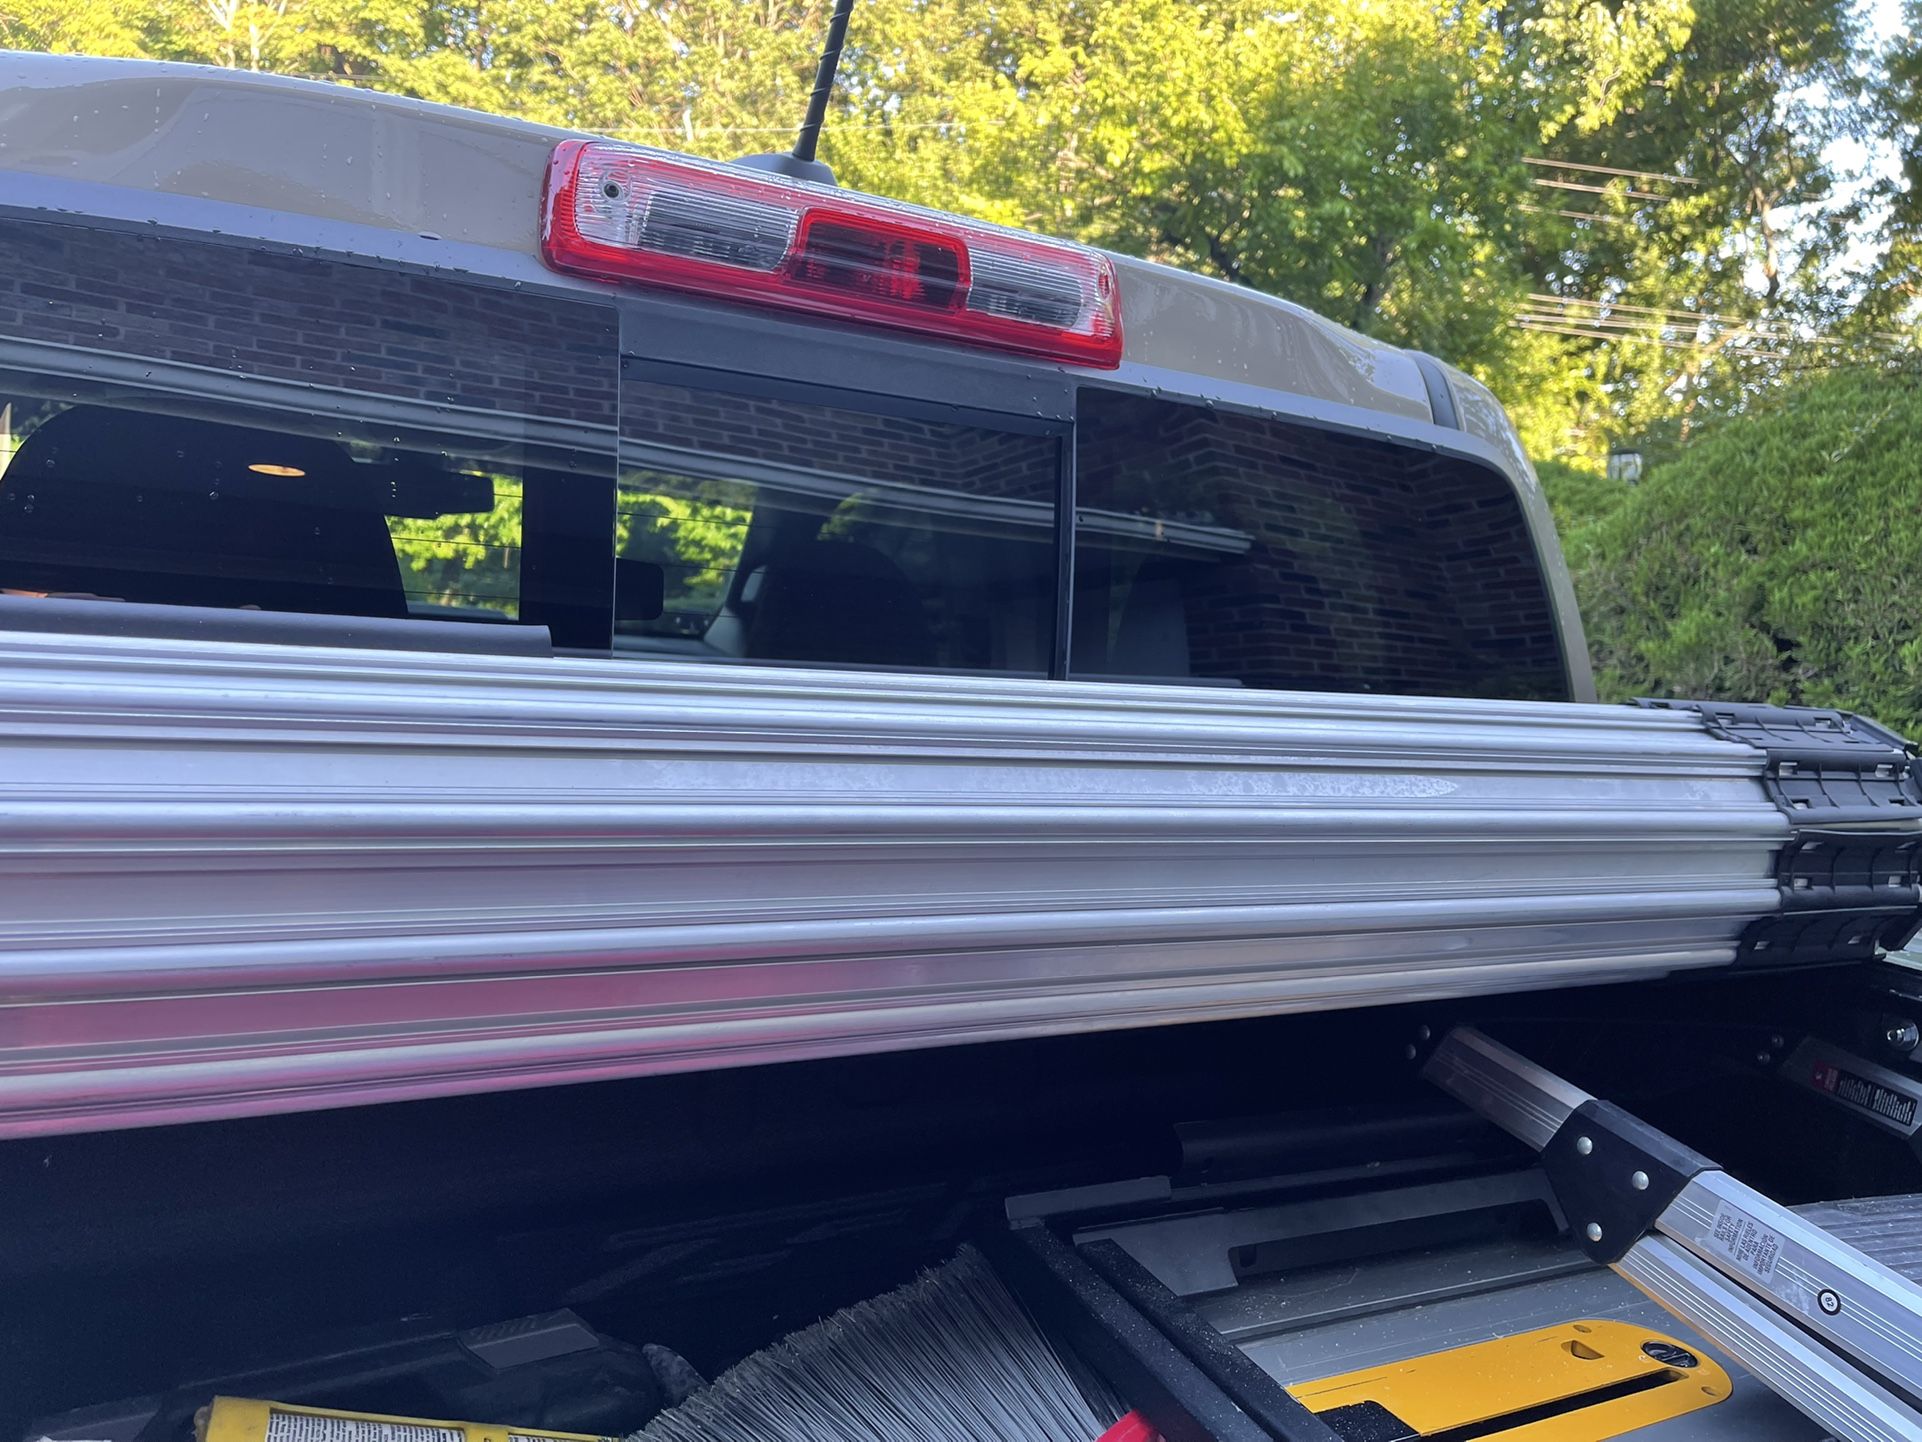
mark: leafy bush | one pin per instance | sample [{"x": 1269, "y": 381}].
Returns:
[{"x": 1778, "y": 558}]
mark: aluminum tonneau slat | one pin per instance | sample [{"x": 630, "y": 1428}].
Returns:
[{"x": 250, "y": 878}]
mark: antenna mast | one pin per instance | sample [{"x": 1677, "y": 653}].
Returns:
[{"x": 799, "y": 163}]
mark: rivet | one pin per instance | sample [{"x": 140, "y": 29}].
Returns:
[
  {"x": 1639, "y": 1181},
  {"x": 1593, "y": 1231},
  {"x": 1583, "y": 1146}
]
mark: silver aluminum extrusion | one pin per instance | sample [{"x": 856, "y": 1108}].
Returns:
[
  {"x": 1528, "y": 1102},
  {"x": 1796, "y": 1366},
  {"x": 253, "y": 878},
  {"x": 1856, "y": 1303}
]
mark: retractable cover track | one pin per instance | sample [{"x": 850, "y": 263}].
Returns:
[{"x": 251, "y": 878}]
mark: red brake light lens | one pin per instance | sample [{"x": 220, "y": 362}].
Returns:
[{"x": 626, "y": 213}]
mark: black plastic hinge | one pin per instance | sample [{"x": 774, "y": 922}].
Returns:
[
  {"x": 1613, "y": 1175},
  {"x": 1845, "y": 895},
  {"x": 1824, "y": 767}
]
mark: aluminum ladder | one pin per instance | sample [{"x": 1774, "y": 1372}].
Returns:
[{"x": 1833, "y": 1331}]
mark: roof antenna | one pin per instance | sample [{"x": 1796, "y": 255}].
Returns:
[{"x": 799, "y": 163}]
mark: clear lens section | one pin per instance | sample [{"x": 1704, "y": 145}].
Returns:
[
  {"x": 1019, "y": 287},
  {"x": 621, "y": 205}
]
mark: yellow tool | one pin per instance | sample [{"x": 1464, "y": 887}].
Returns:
[
  {"x": 237, "y": 1419},
  {"x": 1576, "y": 1382}
]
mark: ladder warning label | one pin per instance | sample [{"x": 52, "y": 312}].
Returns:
[
  {"x": 1745, "y": 1242},
  {"x": 302, "y": 1427},
  {"x": 1859, "y": 1091}
]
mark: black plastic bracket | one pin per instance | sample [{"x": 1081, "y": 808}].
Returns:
[
  {"x": 1824, "y": 767},
  {"x": 1258, "y": 1394},
  {"x": 1614, "y": 1174},
  {"x": 1844, "y": 893}
]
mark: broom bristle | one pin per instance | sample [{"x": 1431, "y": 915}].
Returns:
[{"x": 950, "y": 1357}]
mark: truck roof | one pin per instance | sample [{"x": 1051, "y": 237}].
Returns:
[{"x": 420, "y": 170}]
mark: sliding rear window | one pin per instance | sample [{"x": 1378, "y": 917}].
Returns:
[
  {"x": 764, "y": 529},
  {"x": 187, "y": 424},
  {"x": 1232, "y": 550}
]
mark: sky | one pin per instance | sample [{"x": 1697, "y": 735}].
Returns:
[{"x": 1882, "y": 20}]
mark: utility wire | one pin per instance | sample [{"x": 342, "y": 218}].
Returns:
[
  {"x": 1676, "y": 345},
  {"x": 1579, "y": 303},
  {"x": 1741, "y": 342},
  {"x": 1608, "y": 170},
  {"x": 1632, "y": 194},
  {"x": 1577, "y": 214}
]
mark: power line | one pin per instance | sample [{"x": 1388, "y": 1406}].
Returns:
[
  {"x": 1737, "y": 341},
  {"x": 1544, "y": 329},
  {"x": 789, "y": 129},
  {"x": 1576, "y": 214},
  {"x": 1710, "y": 316},
  {"x": 1608, "y": 170},
  {"x": 1641, "y": 316},
  {"x": 1632, "y": 194}
]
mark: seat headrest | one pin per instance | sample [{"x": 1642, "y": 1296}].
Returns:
[
  {"x": 839, "y": 602},
  {"x": 172, "y": 511}
]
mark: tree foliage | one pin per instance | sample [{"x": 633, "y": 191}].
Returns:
[
  {"x": 1893, "y": 294},
  {"x": 1779, "y": 558}
]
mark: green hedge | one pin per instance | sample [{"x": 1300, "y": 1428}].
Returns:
[{"x": 1778, "y": 558}]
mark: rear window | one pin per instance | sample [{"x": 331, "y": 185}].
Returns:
[
  {"x": 189, "y": 424},
  {"x": 758, "y": 528},
  {"x": 1225, "y": 549}
]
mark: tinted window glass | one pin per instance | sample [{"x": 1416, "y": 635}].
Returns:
[
  {"x": 192, "y": 424},
  {"x": 772, "y": 530},
  {"x": 1243, "y": 551},
  {"x": 137, "y": 505}
]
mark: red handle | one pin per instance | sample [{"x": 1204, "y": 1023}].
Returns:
[{"x": 1131, "y": 1428}]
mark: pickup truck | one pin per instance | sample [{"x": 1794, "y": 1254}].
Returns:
[{"x": 606, "y": 749}]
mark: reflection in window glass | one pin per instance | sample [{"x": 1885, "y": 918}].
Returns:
[
  {"x": 465, "y": 561},
  {"x": 217, "y": 424},
  {"x": 1239, "y": 550},
  {"x": 771, "y": 530},
  {"x": 142, "y": 505},
  {"x": 692, "y": 530}
]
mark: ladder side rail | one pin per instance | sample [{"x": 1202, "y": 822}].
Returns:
[
  {"x": 1798, "y": 1367},
  {"x": 1849, "y": 1299}
]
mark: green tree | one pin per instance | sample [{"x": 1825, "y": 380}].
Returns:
[
  {"x": 1780, "y": 557},
  {"x": 1892, "y": 293}
]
